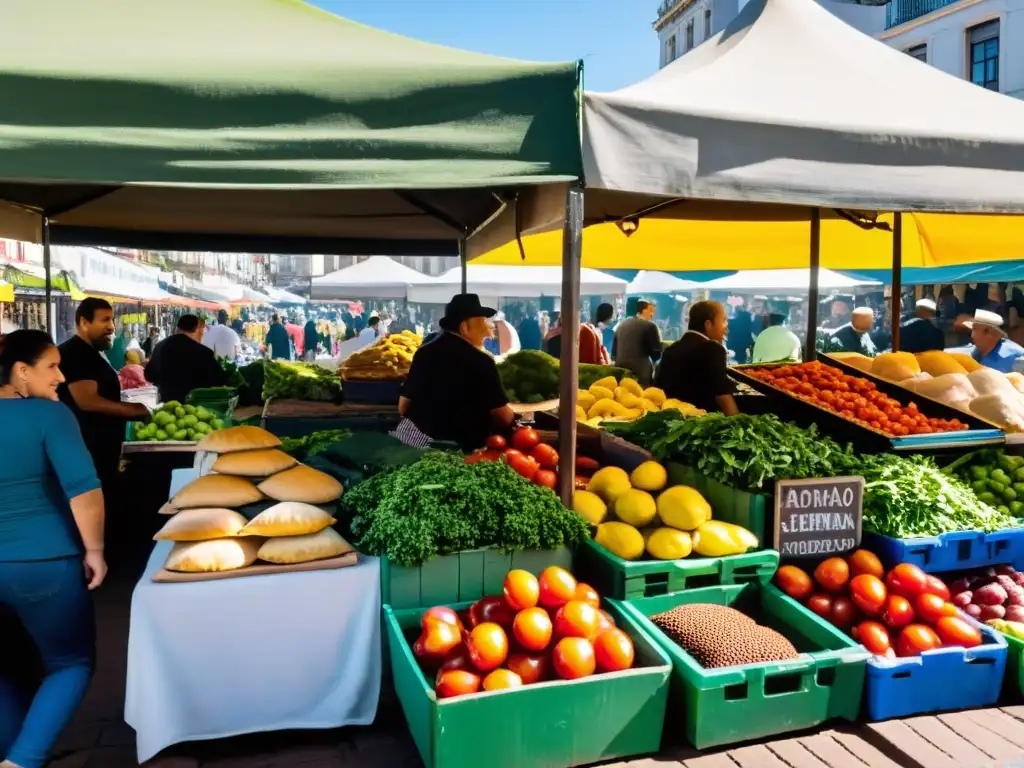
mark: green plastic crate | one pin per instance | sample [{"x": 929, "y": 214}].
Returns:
[
  {"x": 463, "y": 577},
  {"x": 547, "y": 725},
  {"x": 753, "y": 511},
  {"x": 622, "y": 579},
  {"x": 1013, "y": 682},
  {"x": 753, "y": 701}
]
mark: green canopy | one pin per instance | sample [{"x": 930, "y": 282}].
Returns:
[{"x": 193, "y": 123}]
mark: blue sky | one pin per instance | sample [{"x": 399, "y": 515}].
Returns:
[{"x": 613, "y": 37}]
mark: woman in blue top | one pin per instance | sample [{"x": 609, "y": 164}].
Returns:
[{"x": 50, "y": 506}]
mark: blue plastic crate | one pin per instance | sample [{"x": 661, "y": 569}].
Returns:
[
  {"x": 950, "y": 551},
  {"x": 943, "y": 679}
]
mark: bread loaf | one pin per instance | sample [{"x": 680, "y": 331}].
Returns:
[
  {"x": 216, "y": 491},
  {"x": 213, "y": 555},
  {"x": 287, "y": 550},
  {"x": 289, "y": 518},
  {"x": 235, "y": 439},
  {"x": 263, "y": 462},
  {"x": 302, "y": 483},
  {"x": 201, "y": 524}
]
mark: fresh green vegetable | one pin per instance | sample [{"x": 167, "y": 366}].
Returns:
[
  {"x": 313, "y": 443},
  {"x": 996, "y": 478},
  {"x": 531, "y": 376},
  {"x": 440, "y": 505},
  {"x": 251, "y": 393},
  {"x": 235, "y": 378},
  {"x": 286, "y": 380},
  {"x": 748, "y": 452}
]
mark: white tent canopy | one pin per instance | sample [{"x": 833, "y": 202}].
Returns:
[
  {"x": 788, "y": 104},
  {"x": 649, "y": 282},
  {"x": 786, "y": 281},
  {"x": 281, "y": 296},
  {"x": 494, "y": 282},
  {"x": 378, "y": 277}
]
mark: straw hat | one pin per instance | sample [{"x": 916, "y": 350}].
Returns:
[{"x": 986, "y": 319}]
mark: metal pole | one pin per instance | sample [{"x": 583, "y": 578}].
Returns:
[
  {"x": 572, "y": 257},
  {"x": 463, "y": 264},
  {"x": 49, "y": 280},
  {"x": 897, "y": 278},
  {"x": 812, "y": 291}
]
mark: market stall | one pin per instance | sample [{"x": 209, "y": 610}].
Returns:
[
  {"x": 496, "y": 282},
  {"x": 377, "y": 277}
]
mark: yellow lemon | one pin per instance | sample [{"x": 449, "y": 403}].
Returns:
[
  {"x": 589, "y": 506},
  {"x": 609, "y": 483},
  {"x": 620, "y": 539},
  {"x": 637, "y": 508},
  {"x": 649, "y": 476},
  {"x": 669, "y": 544},
  {"x": 683, "y": 507}
]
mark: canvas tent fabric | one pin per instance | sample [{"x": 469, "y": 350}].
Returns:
[
  {"x": 787, "y": 281},
  {"x": 194, "y": 123},
  {"x": 790, "y": 104},
  {"x": 281, "y": 297},
  {"x": 647, "y": 283},
  {"x": 377, "y": 277},
  {"x": 496, "y": 282}
]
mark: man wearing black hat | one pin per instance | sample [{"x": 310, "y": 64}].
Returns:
[{"x": 453, "y": 392}]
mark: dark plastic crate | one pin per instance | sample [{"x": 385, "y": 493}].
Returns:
[
  {"x": 371, "y": 392},
  {"x": 950, "y": 551}
]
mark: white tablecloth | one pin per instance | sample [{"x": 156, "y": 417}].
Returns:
[{"x": 214, "y": 659}]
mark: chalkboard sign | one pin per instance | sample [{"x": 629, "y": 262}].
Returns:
[{"x": 818, "y": 517}]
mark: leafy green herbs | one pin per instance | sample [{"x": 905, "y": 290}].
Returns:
[
  {"x": 441, "y": 505},
  {"x": 287, "y": 380},
  {"x": 313, "y": 443},
  {"x": 531, "y": 376}
]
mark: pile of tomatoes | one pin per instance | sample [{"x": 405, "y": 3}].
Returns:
[
  {"x": 540, "y": 629},
  {"x": 904, "y": 612},
  {"x": 534, "y": 460},
  {"x": 852, "y": 397}
]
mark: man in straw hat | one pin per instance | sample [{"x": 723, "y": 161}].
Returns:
[
  {"x": 453, "y": 392},
  {"x": 919, "y": 333},
  {"x": 989, "y": 344}
]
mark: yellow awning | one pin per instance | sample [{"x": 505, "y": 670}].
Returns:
[{"x": 6, "y": 291}]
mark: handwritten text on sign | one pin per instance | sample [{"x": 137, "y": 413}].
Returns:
[{"x": 818, "y": 517}]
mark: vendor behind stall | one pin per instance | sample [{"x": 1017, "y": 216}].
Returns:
[
  {"x": 919, "y": 333},
  {"x": 990, "y": 346},
  {"x": 694, "y": 369},
  {"x": 180, "y": 363},
  {"x": 453, "y": 392},
  {"x": 855, "y": 336}
]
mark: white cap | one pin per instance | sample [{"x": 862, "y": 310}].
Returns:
[
  {"x": 987, "y": 319},
  {"x": 928, "y": 304}
]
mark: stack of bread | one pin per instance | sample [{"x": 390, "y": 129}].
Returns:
[{"x": 287, "y": 522}]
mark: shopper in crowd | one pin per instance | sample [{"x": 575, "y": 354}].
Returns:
[
  {"x": 297, "y": 337},
  {"x": 637, "y": 343},
  {"x": 605, "y": 318},
  {"x": 855, "y": 336},
  {"x": 51, "y": 546},
  {"x": 277, "y": 341},
  {"x": 180, "y": 363},
  {"x": 453, "y": 392},
  {"x": 989, "y": 344},
  {"x": 920, "y": 333},
  {"x": 93, "y": 392},
  {"x": 695, "y": 368},
  {"x": 310, "y": 339},
  {"x": 591, "y": 349},
  {"x": 222, "y": 338},
  {"x": 741, "y": 334},
  {"x": 151, "y": 341}
]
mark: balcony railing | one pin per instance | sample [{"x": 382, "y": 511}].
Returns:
[
  {"x": 665, "y": 7},
  {"x": 902, "y": 11}
]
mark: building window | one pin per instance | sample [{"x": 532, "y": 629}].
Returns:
[
  {"x": 984, "y": 52},
  {"x": 670, "y": 50},
  {"x": 689, "y": 35},
  {"x": 919, "y": 52},
  {"x": 707, "y": 23}
]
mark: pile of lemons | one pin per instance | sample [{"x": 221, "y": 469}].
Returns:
[
  {"x": 636, "y": 514},
  {"x": 612, "y": 400}
]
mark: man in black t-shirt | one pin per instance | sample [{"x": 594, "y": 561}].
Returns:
[
  {"x": 694, "y": 369},
  {"x": 180, "y": 363},
  {"x": 453, "y": 392}
]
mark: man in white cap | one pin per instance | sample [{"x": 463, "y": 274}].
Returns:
[
  {"x": 919, "y": 333},
  {"x": 989, "y": 344},
  {"x": 855, "y": 336}
]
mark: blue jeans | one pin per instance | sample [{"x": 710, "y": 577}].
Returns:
[{"x": 50, "y": 599}]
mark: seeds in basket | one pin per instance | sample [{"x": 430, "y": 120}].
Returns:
[
  {"x": 216, "y": 491},
  {"x": 289, "y": 518},
  {"x": 235, "y": 439},
  {"x": 201, "y": 524},
  {"x": 259, "y": 463},
  {"x": 287, "y": 550},
  {"x": 304, "y": 484},
  {"x": 213, "y": 556}
]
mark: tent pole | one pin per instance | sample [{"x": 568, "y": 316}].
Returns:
[
  {"x": 47, "y": 274},
  {"x": 812, "y": 291},
  {"x": 897, "y": 278},
  {"x": 463, "y": 264},
  {"x": 572, "y": 257}
]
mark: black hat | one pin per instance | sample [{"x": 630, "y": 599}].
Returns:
[{"x": 462, "y": 307}]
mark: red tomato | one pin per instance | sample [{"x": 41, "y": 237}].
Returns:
[
  {"x": 794, "y": 582},
  {"x": 521, "y": 589},
  {"x": 586, "y": 465},
  {"x": 525, "y": 439},
  {"x": 546, "y": 456},
  {"x": 546, "y": 478},
  {"x": 587, "y": 594},
  {"x": 582, "y": 481},
  {"x": 935, "y": 586},
  {"x": 613, "y": 651},
  {"x": 493, "y": 610},
  {"x": 868, "y": 593},
  {"x": 873, "y": 636},
  {"x": 863, "y": 561},
  {"x": 573, "y": 658},
  {"x": 605, "y": 621},
  {"x": 843, "y": 613},
  {"x": 457, "y": 658},
  {"x": 931, "y": 608},
  {"x": 531, "y": 667},
  {"x": 442, "y": 614},
  {"x": 577, "y": 619},
  {"x": 915, "y": 639},
  {"x": 488, "y": 646},
  {"x": 821, "y": 604},
  {"x": 438, "y": 639},
  {"x": 906, "y": 579},
  {"x": 500, "y": 679},
  {"x": 898, "y": 611},
  {"x": 490, "y": 455},
  {"x": 456, "y": 682},
  {"x": 958, "y": 632},
  {"x": 557, "y": 587},
  {"x": 523, "y": 465},
  {"x": 497, "y": 443},
  {"x": 511, "y": 453},
  {"x": 832, "y": 574},
  {"x": 532, "y": 629}
]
